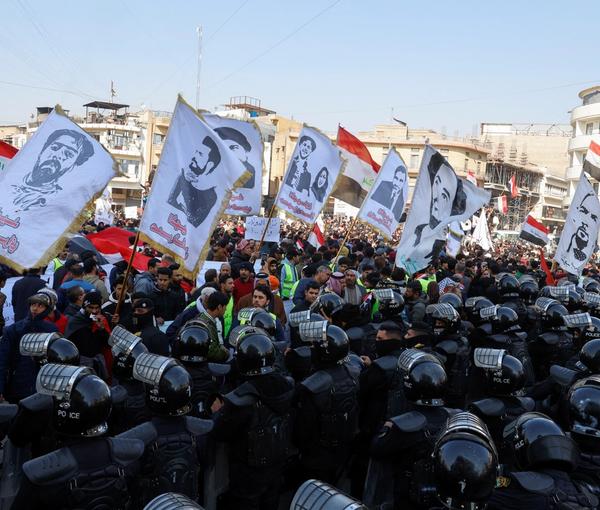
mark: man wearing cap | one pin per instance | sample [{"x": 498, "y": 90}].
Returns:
[
  {"x": 144, "y": 325},
  {"x": 18, "y": 373},
  {"x": 245, "y": 283},
  {"x": 243, "y": 254},
  {"x": 23, "y": 289},
  {"x": 89, "y": 331}
]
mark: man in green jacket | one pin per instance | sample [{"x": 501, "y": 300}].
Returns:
[{"x": 211, "y": 319}]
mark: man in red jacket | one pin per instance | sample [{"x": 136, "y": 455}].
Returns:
[{"x": 245, "y": 283}]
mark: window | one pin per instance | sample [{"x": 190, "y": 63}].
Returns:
[
  {"x": 414, "y": 160},
  {"x": 444, "y": 152},
  {"x": 589, "y": 127},
  {"x": 478, "y": 167},
  {"x": 130, "y": 167},
  {"x": 157, "y": 139},
  {"x": 466, "y": 164}
]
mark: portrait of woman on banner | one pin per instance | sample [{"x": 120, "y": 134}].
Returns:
[{"x": 320, "y": 184}]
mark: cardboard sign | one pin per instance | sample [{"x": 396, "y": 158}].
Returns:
[{"x": 255, "y": 226}]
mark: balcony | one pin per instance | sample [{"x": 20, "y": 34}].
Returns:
[
  {"x": 583, "y": 112},
  {"x": 582, "y": 142},
  {"x": 573, "y": 172}
]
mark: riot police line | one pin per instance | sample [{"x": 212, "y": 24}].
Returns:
[{"x": 484, "y": 404}]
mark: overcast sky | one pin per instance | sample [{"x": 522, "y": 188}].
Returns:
[{"x": 441, "y": 65}]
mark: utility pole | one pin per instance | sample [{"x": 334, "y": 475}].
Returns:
[{"x": 199, "y": 66}]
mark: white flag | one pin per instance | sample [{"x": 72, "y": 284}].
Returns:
[
  {"x": 481, "y": 234},
  {"x": 580, "y": 232},
  {"x": 440, "y": 197},
  {"x": 312, "y": 173},
  {"x": 192, "y": 187},
  {"x": 47, "y": 187},
  {"x": 454, "y": 239},
  {"x": 383, "y": 207},
  {"x": 104, "y": 212},
  {"x": 244, "y": 139}
]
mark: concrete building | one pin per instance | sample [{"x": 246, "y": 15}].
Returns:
[{"x": 585, "y": 122}]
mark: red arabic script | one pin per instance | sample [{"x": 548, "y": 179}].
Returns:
[
  {"x": 176, "y": 224},
  {"x": 296, "y": 210},
  {"x": 9, "y": 222},
  {"x": 10, "y": 244},
  {"x": 244, "y": 208},
  {"x": 175, "y": 239},
  {"x": 236, "y": 198},
  {"x": 307, "y": 205},
  {"x": 382, "y": 218}
]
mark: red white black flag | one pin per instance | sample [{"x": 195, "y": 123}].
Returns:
[
  {"x": 591, "y": 164},
  {"x": 502, "y": 204},
  {"x": 514, "y": 191},
  {"x": 534, "y": 232}
]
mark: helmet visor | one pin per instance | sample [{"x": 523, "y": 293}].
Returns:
[
  {"x": 489, "y": 359},
  {"x": 149, "y": 368},
  {"x": 122, "y": 341},
  {"x": 314, "y": 332},
  {"x": 58, "y": 380},
  {"x": 36, "y": 344},
  {"x": 298, "y": 318}
]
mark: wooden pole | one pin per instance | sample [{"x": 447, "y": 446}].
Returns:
[
  {"x": 127, "y": 272},
  {"x": 262, "y": 238},
  {"x": 345, "y": 239}
]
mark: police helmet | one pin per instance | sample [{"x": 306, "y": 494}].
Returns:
[
  {"x": 575, "y": 301},
  {"x": 504, "y": 373},
  {"x": 168, "y": 384},
  {"x": 191, "y": 344},
  {"x": 317, "y": 495},
  {"x": 444, "y": 318},
  {"x": 453, "y": 300},
  {"x": 465, "y": 463},
  {"x": 508, "y": 287},
  {"x": 63, "y": 352},
  {"x": 391, "y": 303},
  {"x": 473, "y": 306},
  {"x": 551, "y": 312},
  {"x": 172, "y": 501},
  {"x": 591, "y": 301},
  {"x": 265, "y": 321},
  {"x": 255, "y": 354},
  {"x": 329, "y": 343},
  {"x": 505, "y": 320},
  {"x": 537, "y": 442},
  {"x": 591, "y": 285},
  {"x": 125, "y": 347},
  {"x": 49, "y": 348},
  {"x": 424, "y": 377},
  {"x": 589, "y": 355},
  {"x": 560, "y": 293},
  {"x": 528, "y": 291},
  {"x": 327, "y": 305},
  {"x": 82, "y": 401},
  {"x": 584, "y": 413}
]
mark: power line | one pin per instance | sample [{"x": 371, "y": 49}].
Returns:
[
  {"x": 277, "y": 44},
  {"x": 26, "y": 85},
  {"x": 226, "y": 21}
]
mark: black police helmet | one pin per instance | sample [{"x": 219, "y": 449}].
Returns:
[
  {"x": 123, "y": 362},
  {"x": 508, "y": 379},
  {"x": 473, "y": 306},
  {"x": 528, "y": 291},
  {"x": 255, "y": 355},
  {"x": 192, "y": 343},
  {"x": 265, "y": 321},
  {"x": 327, "y": 304},
  {"x": 584, "y": 413},
  {"x": 508, "y": 287},
  {"x": 538, "y": 442},
  {"x": 426, "y": 383},
  {"x": 453, "y": 300},
  {"x": 63, "y": 352},
  {"x": 391, "y": 307},
  {"x": 553, "y": 316},
  {"x": 575, "y": 302},
  {"x": 505, "y": 320},
  {"x": 334, "y": 349},
  {"x": 174, "y": 392},
  {"x": 589, "y": 355}
]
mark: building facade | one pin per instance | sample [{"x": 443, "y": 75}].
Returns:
[{"x": 585, "y": 123}]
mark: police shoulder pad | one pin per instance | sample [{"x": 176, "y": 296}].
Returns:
[
  {"x": 387, "y": 363},
  {"x": 8, "y": 412},
  {"x": 197, "y": 426},
  {"x": 500, "y": 338},
  {"x": 527, "y": 403},
  {"x": 219, "y": 369},
  {"x": 55, "y": 467},
  {"x": 146, "y": 432},
  {"x": 355, "y": 333},
  {"x": 126, "y": 451},
  {"x": 538, "y": 483},
  {"x": 549, "y": 338},
  {"x": 37, "y": 403},
  {"x": 447, "y": 347},
  {"x": 318, "y": 382},
  {"x": 562, "y": 376},
  {"x": 242, "y": 396},
  {"x": 412, "y": 421},
  {"x": 492, "y": 407},
  {"x": 118, "y": 394}
]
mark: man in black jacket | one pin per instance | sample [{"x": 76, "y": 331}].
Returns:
[
  {"x": 144, "y": 325},
  {"x": 23, "y": 289},
  {"x": 167, "y": 303}
]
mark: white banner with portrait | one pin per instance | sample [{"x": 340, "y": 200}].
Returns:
[
  {"x": 312, "y": 173},
  {"x": 191, "y": 188},
  {"x": 104, "y": 212},
  {"x": 440, "y": 197},
  {"x": 580, "y": 232},
  {"x": 383, "y": 207},
  {"x": 244, "y": 140},
  {"x": 46, "y": 189}
]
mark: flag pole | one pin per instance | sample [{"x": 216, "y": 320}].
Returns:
[
  {"x": 262, "y": 238},
  {"x": 343, "y": 243},
  {"x": 127, "y": 272}
]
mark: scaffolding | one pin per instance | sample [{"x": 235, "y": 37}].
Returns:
[{"x": 498, "y": 174}]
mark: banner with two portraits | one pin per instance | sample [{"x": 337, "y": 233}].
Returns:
[
  {"x": 192, "y": 187},
  {"x": 46, "y": 189},
  {"x": 315, "y": 167},
  {"x": 440, "y": 197},
  {"x": 384, "y": 205}
]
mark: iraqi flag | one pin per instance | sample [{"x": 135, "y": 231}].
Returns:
[
  {"x": 316, "y": 237},
  {"x": 534, "y": 232},
  {"x": 7, "y": 152},
  {"x": 591, "y": 164},
  {"x": 471, "y": 178},
  {"x": 502, "y": 204},
  {"x": 514, "y": 191},
  {"x": 360, "y": 172}
]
